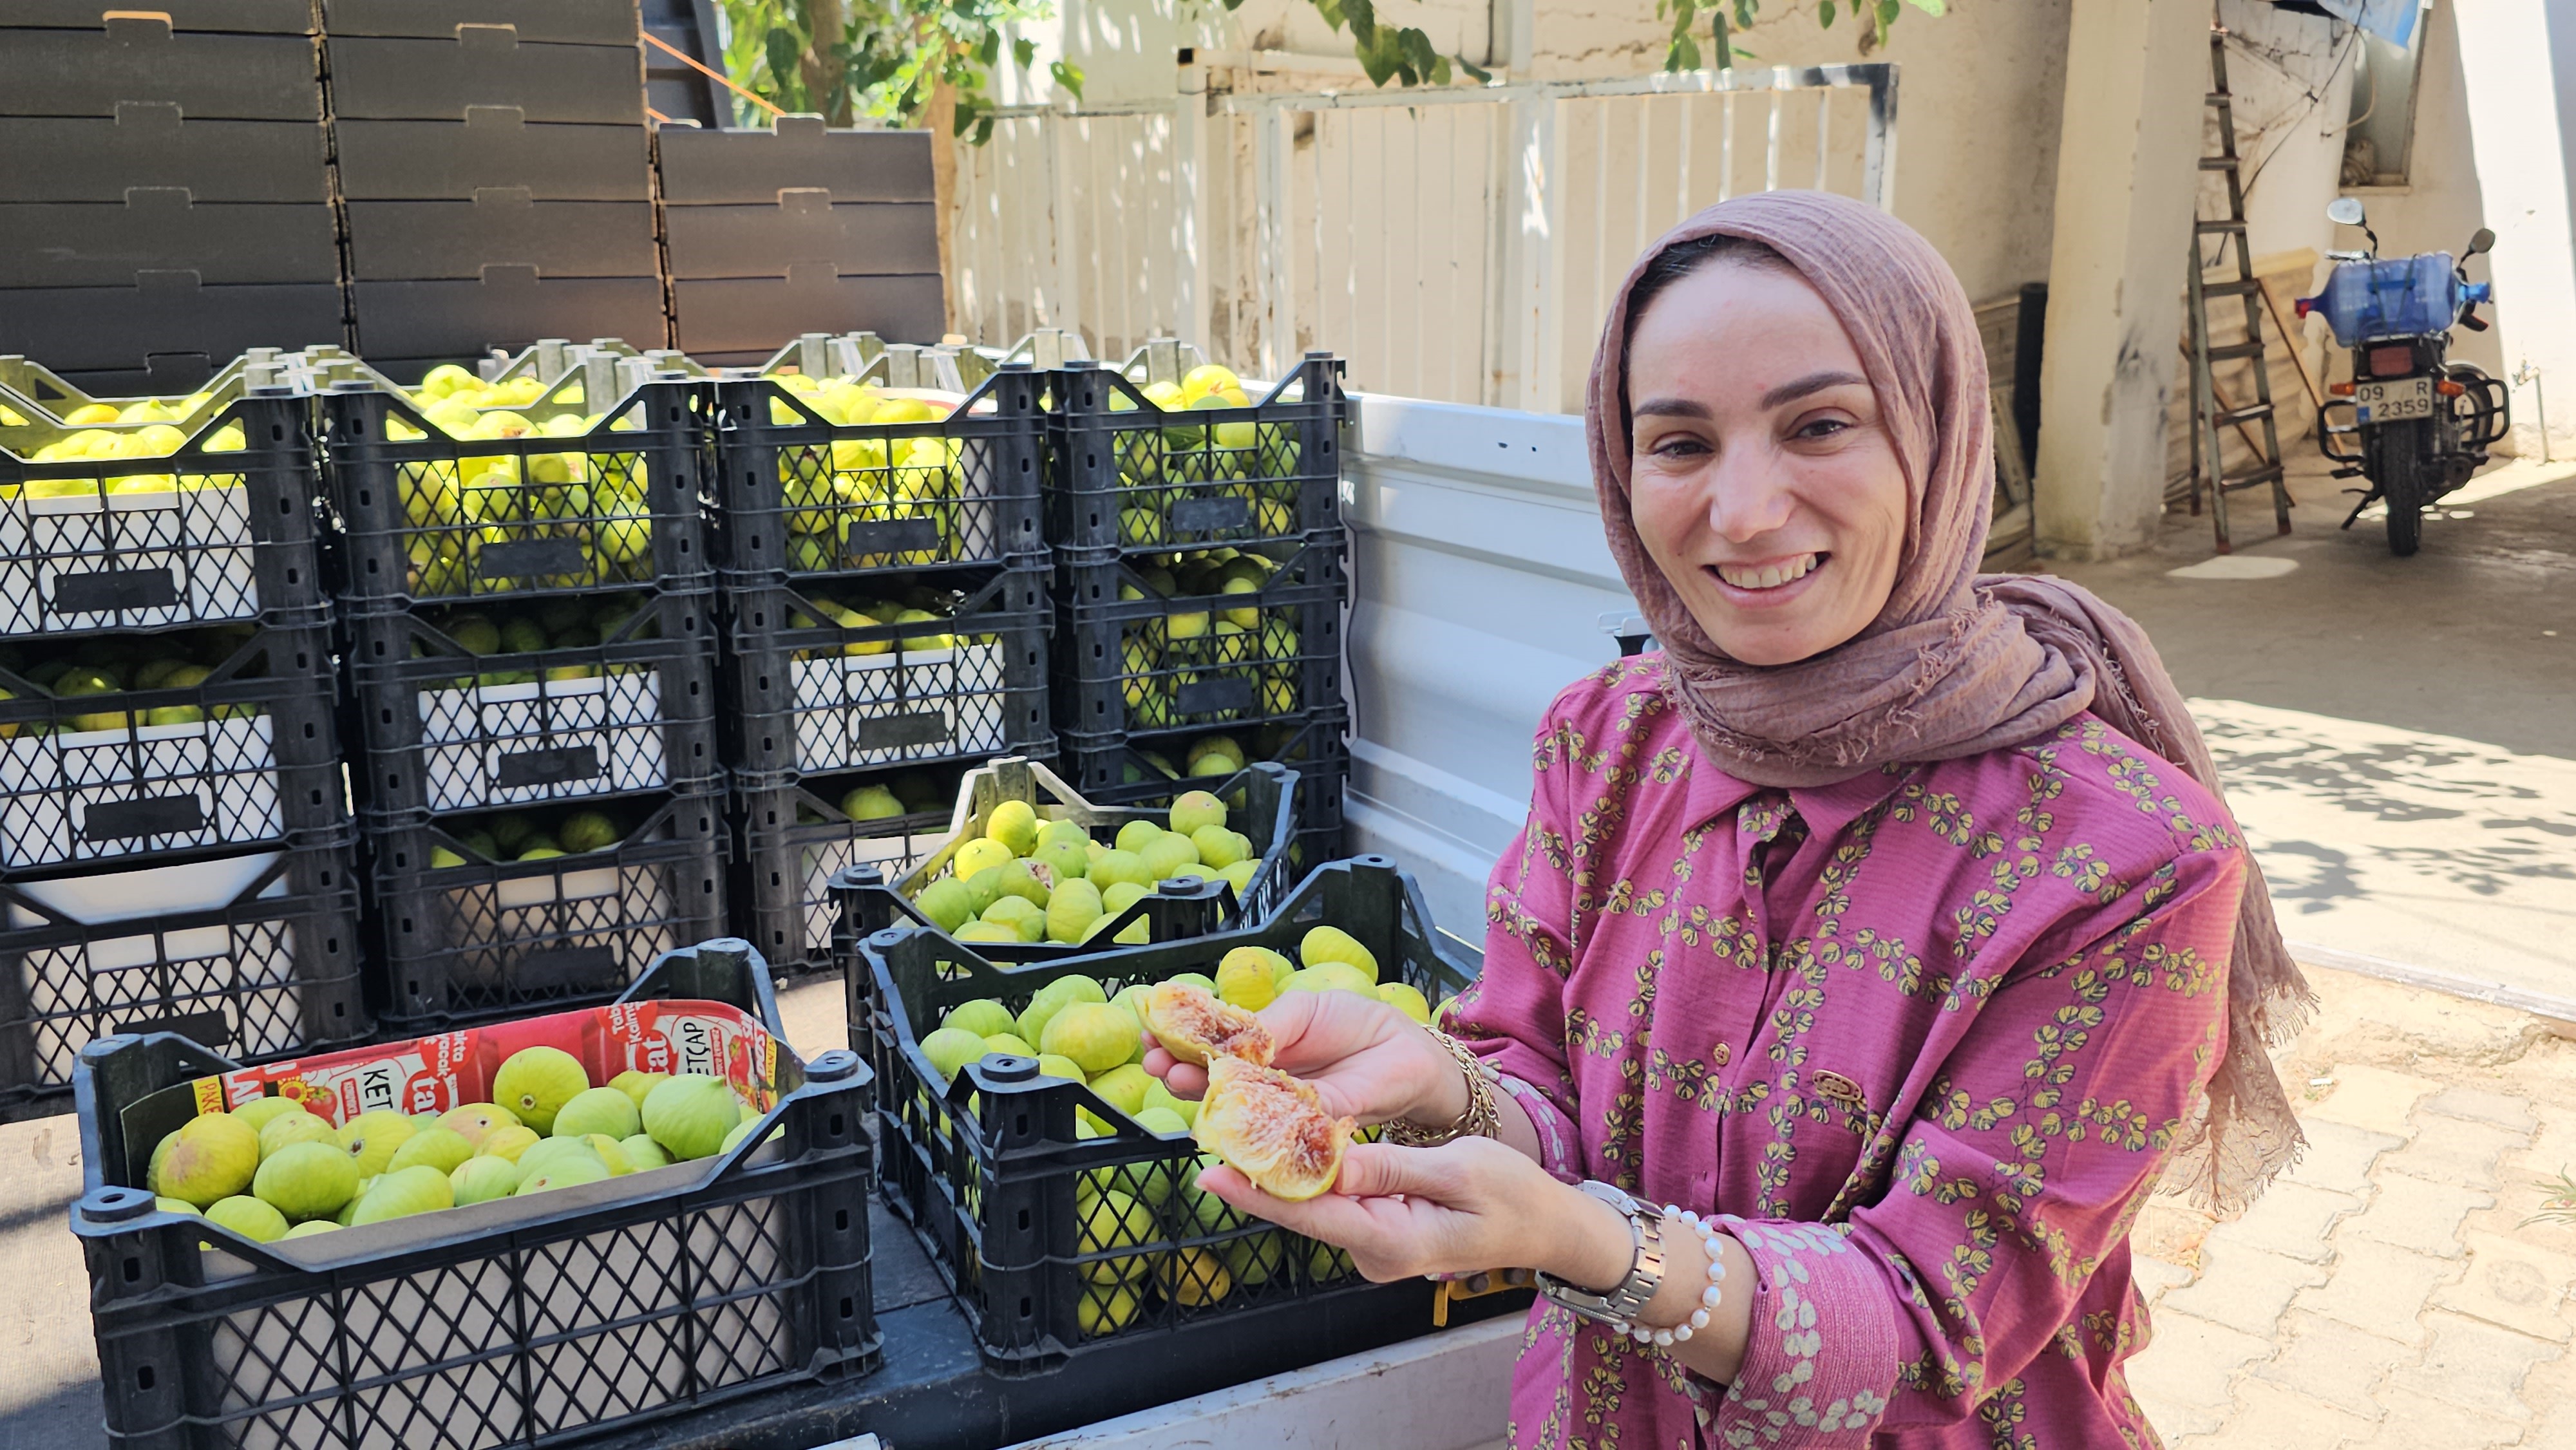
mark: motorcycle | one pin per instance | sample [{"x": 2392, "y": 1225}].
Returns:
[{"x": 2423, "y": 422}]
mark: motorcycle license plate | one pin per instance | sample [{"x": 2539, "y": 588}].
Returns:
[{"x": 2392, "y": 401}]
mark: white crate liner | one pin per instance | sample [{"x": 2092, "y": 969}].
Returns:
[
  {"x": 936, "y": 702},
  {"x": 88, "y": 990},
  {"x": 49, "y": 783},
  {"x": 468, "y": 735},
  {"x": 823, "y": 860},
  {"x": 199, "y": 537}
]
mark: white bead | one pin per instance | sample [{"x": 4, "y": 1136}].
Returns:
[
  {"x": 1644, "y": 1336},
  {"x": 1663, "y": 1339},
  {"x": 1712, "y": 1296},
  {"x": 1672, "y": 1210},
  {"x": 1699, "y": 1319},
  {"x": 1681, "y": 1333}
]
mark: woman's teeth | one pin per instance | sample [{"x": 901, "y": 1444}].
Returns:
[{"x": 1768, "y": 576}]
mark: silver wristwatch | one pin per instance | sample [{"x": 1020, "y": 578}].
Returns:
[{"x": 1622, "y": 1303}]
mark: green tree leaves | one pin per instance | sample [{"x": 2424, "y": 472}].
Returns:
[{"x": 883, "y": 59}]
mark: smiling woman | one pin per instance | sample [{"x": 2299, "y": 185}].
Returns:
[{"x": 1870, "y": 952}]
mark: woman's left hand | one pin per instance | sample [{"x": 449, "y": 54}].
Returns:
[{"x": 1463, "y": 1207}]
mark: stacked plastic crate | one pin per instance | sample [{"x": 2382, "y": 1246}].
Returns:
[
  {"x": 174, "y": 837},
  {"x": 530, "y": 650},
  {"x": 164, "y": 204},
  {"x": 776, "y": 232},
  {"x": 495, "y": 174},
  {"x": 1201, "y": 581},
  {"x": 885, "y": 583}
]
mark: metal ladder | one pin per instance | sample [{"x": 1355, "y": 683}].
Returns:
[{"x": 2213, "y": 416}]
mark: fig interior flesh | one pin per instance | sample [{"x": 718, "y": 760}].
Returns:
[
  {"x": 1272, "y": 1127},
  {"x": 1194, "y": 1026}
]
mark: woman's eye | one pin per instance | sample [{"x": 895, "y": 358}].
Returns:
[
  {"x": 1680, "y": 445},
  {"x": 1823, "y": 428}
]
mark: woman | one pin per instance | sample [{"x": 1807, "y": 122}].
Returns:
[{"x": 1883, "y": 935}]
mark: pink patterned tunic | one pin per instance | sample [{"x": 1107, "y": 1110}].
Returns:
[{"x": 1925, "y": 1034}]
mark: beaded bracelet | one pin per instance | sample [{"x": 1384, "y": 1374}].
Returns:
[{"x": 1709, "y": 1298}]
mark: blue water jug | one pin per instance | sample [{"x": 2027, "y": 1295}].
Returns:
[{"x": 2392, "y": 297}]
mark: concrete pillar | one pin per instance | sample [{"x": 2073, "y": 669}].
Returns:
[
  {"x": 2522, "y": 125},
  {"x": 2127, "y": 167}
]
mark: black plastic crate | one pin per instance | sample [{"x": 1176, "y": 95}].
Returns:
[
  {"x": 491, "y": 151},
  {"x": 256, "y": 953},
  {"x": 210, "y": 740},
  {"x": 1113, "y": 770},
  {"x": 806, "y": 694},
  {"x": 570, "y": 698},
  {"x": 867, "y": 897},
  {"x": 1125, "y": 475},
  {"x": 222, "y": 527},
  {"x": 800, "y": 495},
  {"x": 469, "y": 934},
  {"x": 1137, "y": 665},
  {"x": 988, "y": 1168},
  {"x": 159, "y": 229},
  {"x": 59, "y": 395},
  {"x": 121, "y": 57},
  {"x": 1135, "y": 777},
  {"x": 483, "y": 66},
  {"x": 98, "y": 158},
  {"x": 589, "y": 1309},
  {"x": 430, "y": 518},
  {"x": 795, "y": 836}
]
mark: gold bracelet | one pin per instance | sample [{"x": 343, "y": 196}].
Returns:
[{"x": 1480, "y": 1120}]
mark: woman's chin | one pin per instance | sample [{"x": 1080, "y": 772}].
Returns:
[{"x": 1767, "y": 640}]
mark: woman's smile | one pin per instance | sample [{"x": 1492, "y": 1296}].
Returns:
[{"x": 1767, "y": 583}]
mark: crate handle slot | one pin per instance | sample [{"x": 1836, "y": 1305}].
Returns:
[
  {"x": 169, "y": 815},
  {"x": 103, "y": 591},
  {"x": 520, "y": 769}
]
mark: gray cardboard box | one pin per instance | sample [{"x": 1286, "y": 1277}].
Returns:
[
  {"x": 150, "y": 144},
  {"x": 735, "y": 168},
  {"x": 138, "y": 57},
  {"x": 108, "y": 244},
  {"x": 507, "y": 308},
  {"x": 163, "y": 320},
  {"x": 428, "y": 240},
  {"x": 573, "y": 22},
  {"x": 415, "y": 79},
  {"x": 761, "y": 314},
  {"x": 241, "y": 17},
  {"x": 492, "y": 151},
  {"x": 860, "y": 238}
]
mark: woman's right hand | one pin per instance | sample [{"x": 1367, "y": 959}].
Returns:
[{"x": 1365, "y": 1059}]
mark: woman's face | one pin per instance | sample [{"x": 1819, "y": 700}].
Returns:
[{"x": 1763, "y": 483}]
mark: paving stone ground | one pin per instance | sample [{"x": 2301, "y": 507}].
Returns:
[{"x": 2393, "y": 1290}]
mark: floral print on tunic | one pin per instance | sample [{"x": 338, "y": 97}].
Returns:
[{"x": 1923, "y": 1036}]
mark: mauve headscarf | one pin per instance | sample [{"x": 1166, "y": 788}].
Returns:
[{"x": 1958, "y": 662}]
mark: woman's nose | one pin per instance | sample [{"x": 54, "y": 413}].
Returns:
[{"x": 1747, "y": 496}]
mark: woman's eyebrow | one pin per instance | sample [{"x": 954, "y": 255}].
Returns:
[
  {"x": 1792, "y": 391},
  {"x": 1670, "y": 408}
]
